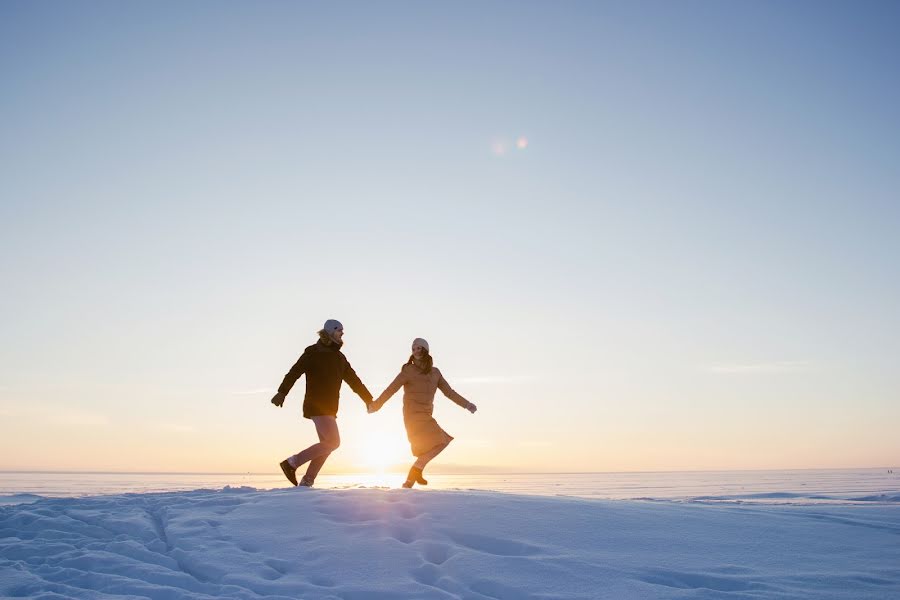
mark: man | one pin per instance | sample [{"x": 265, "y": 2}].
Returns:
[{"x": 326, "y": 368}]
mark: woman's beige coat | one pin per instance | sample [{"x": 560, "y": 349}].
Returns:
[{"x": 418, "y": 405}]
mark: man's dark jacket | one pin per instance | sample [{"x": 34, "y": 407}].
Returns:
[{"x": 325, "y": 367}]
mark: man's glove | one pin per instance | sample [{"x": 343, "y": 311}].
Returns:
[
  {"x": 278, "y": 399},
  {"x": 471, "y": 408}
]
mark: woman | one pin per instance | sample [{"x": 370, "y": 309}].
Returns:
[
  {"x": 325, "y": 367},
  {"x": 420, "y": 380}
]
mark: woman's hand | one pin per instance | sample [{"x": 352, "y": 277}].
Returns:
[
  {"x": 278, "y": 399},
  {"x": 471, "y": 408}
]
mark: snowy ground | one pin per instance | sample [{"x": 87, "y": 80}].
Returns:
[{"x": 375, "y": 544}]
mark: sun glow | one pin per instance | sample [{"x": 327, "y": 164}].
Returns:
[{"x": 382, "y": 452}]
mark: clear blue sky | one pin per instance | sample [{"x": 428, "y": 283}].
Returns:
[{"x": 691, "y": 264}]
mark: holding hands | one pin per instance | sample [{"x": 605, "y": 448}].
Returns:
[{"x": 372, "y": 407}]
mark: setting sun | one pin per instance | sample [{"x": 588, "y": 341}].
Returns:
[{"x": 383, "y": 451}]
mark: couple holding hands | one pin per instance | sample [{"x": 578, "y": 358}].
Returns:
[{"x": 326, "y": 368}]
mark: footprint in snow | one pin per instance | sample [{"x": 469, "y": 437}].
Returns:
[
  {"x": 436, "y": 554},
  {"x": 492, "y": 545}
]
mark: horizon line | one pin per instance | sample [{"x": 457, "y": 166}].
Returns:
[{"x": 479, "y": 471}]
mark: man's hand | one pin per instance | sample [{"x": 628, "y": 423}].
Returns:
[
  {"x": 471, "y": 408},
  {"x": 372, "y": 407},
  {"x": 278, "y": 399}
]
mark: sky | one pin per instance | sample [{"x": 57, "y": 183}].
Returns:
[{"x": 638, "y": 235}]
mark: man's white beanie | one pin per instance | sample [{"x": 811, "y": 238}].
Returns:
[{"x": 331, "y": 325}]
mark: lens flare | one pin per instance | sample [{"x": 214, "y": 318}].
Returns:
[
  {"x": 522, "y": 142},
  {"x": 499, "y": 147}
]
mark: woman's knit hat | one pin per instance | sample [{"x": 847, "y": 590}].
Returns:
[{"x": 420, "y": 342}]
